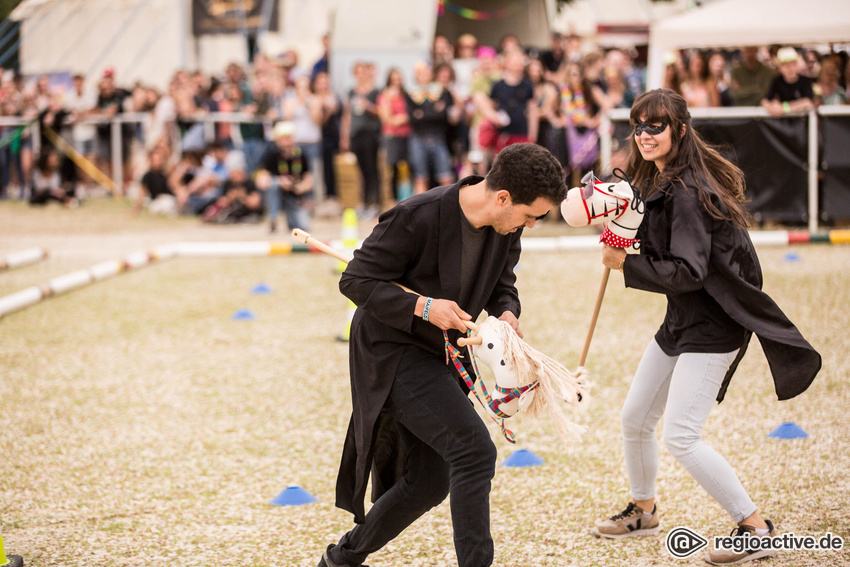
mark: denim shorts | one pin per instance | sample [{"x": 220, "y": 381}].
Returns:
[{"x": 430, "y": 150}]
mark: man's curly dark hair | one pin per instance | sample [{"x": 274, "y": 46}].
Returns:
[{"x": 528, "y": 171}]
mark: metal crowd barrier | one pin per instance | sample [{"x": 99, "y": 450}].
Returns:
[{"x": 606, "y": 130}]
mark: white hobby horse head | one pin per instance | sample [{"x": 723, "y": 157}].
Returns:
[{"x": 527, "y": 380}]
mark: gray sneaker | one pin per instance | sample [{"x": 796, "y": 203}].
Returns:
[
  {"x": 754, "y": 551},
  {"x": 630, "y": 522}
]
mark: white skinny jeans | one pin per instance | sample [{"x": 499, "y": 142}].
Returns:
[{"x": 684, "y": 388}]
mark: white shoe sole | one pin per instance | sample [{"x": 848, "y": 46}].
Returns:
[
  {"x": 645, "y": 532},
  {"x": 752, "y": 557}
]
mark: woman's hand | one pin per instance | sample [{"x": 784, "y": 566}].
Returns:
[{"x": 613, "y": 257}]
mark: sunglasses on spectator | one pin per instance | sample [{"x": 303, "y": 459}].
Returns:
[{"x": 651, "y": 127}]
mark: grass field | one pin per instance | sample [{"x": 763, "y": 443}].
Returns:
[{"x": 140, "y": 425}]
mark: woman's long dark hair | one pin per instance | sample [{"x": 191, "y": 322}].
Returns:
[{"x": 689, "y": 153}]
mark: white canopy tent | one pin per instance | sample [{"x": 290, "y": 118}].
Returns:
[{"x": 735, "y": 23}]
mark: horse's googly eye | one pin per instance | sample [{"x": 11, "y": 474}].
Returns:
[
  {"x": 490, "y": 346},
  {"x": 503, "y": 363}
]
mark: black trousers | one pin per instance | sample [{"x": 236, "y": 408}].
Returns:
[
  {"x": 365, "y": 145},
  {"x": 448, "y": 450}
]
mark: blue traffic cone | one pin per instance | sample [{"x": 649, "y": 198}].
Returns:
[
  {"x": 788, "y": 430},
  {"x": 261, "y": 289},
  {"x": 792, "y": 257},
  {"x": 293, "y": 496},
  {"x": 243, "y": 315},
  {"x": 522, "y": 458}
]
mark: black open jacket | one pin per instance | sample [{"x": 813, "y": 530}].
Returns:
[
  {"x": 683, "y": 248},
  {"x": 417, "y": 243}
]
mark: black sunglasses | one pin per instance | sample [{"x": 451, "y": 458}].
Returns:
[{"x": 641, "y": 127}]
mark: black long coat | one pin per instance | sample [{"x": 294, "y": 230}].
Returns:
[
  {"x": 683, "y": 248},
  {"x": 417, "y": 244}
]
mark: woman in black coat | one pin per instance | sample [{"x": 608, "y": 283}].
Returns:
[{"x": 695, "y": 249}]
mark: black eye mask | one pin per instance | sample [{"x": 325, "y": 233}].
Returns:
[{"x": 641, "y": 127}]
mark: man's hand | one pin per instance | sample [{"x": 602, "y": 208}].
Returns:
[
  {"x": 509, "y": 318},
  {"x": 444, "y": 313}
]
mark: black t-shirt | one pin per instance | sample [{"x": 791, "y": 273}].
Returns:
[
  {"x": 117, "y": 98},
  {"x": 429, "y": 110},
  {"x": 513, "y": 99},
  {"x": 550, "y": 61},
  {"x": 785, "y": 92},
  {"x": 156, "y": 183},
  {"x": 293, "y": 164}
]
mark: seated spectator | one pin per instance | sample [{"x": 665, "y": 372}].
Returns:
[
  {"x": 285, "y": 179},
  {"x": 47, "y": 184},
  {"x": 188, "y": 184},
  {"x": 750, "y": 79},
  {"x": 155, "y": 192},
  {"x": 241, "y": 201},
  {"x": 827, "y": 88},
  {"x": 428, "y": 105},
  {"x": 790, "y": 91}
]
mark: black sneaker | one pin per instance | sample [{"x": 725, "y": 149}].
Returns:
[{"x": 325, "y": 561}]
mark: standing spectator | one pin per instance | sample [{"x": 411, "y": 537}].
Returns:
[
  {"x": 428, "y": 105},
  {"x": 509, "y": 43},
  {"x": 512, "y": 104},
  {"x": 322, "y": 65},
  {"x": 444, "y": 75},
  {"x": 581, "y": 118},
  {"x": 331, "y": 116},
  {"x": 304, "y": 110},
  {"x": 672, "y": 73},
  {"x": 550, "y": 130},
  {"x": 699, "y": 89},
  {"x": 110, "y": 103},
  {"x": 827, "y": 89},
  {"x": 443, "y": 52},
  {"x": 464, "y": 65},
  {"x": 252, "y": 133},
  {"x": 790, "y": 91},
  {"x": 811, "y": 64},
  {"x": 750, "y": 79},
  {"x": 482, "y": 132},
  {"x": 395, "y": 124},
  {"x": 80, "y": 101},
  {"x": 286, "y": 180},
  {"x": 717, "y": 69},
  {"x": 635, "y": 81},
  {"x": 554, "y": 57},
  {"x": 361, "y": 132}
]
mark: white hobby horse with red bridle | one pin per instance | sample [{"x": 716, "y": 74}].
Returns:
[{"x": 526, "y": 380}]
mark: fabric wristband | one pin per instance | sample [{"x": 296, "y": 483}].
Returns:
[
  {"x": 427, "y": 310},
  {"x": 786, "y": 106}
]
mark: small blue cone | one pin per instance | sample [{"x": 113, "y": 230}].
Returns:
[
  {"x": 243, "y": 315},
  {"x": 293, "y": 496},
  {"x": 788, "y": 430},
  {"x": 261, "y": 289},
  {"x": 792, "y": 257},
  {"x": 522, "y": 458}
]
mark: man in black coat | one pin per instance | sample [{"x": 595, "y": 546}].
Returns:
[{"x": 412, "y": 422}]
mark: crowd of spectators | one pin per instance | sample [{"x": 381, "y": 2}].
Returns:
[{"x": 465, "y": 104}]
